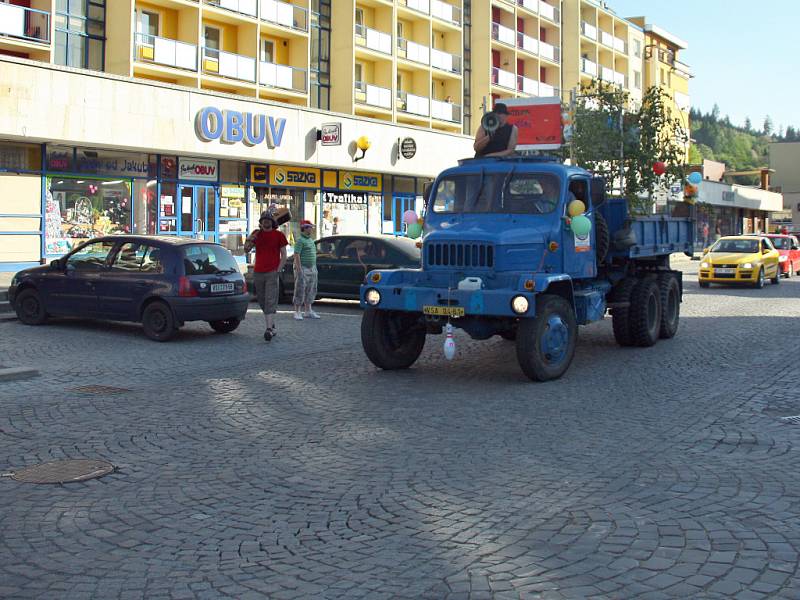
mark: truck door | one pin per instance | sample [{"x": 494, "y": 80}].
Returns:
[{"x": 579, "y": 251}]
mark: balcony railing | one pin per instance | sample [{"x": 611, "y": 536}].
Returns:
[
  {"x": 446, "y": 12},
  {"x": 374, "y": 95},
  {"x": 24, "y": 23},
  {"x": 549, "y": 12},
  {"x": 163, "y": 51},
  {"x": 413, "y": 51},
  {"x": 374, "y": 39},
  {"x": 422, "y": 6},
  {"x": 531, "y": 5},
  {"x": 282, "y": 77},
  {"x": 504, "y": 34},
  {"x": 548, "y": 90},
  {"x": 445, "y": 61},
  {"x": 243, "y": 7},
  {"x": 228, "y": 64},
  {"x": 620, "y": 45},
  {"x": 607, "y": 74},
  {"x": 413, "y": 104},
  {"x": 589, "y": 30},
  {"x": 527, "y": 86},
  {"x": 283, "y": 13},
  {"x": 527, "y": 43},
  {"x": 446, "y": 111},
  {"x": 550, "y": 52},
  {"x": 588, "y": 67},
  {"x": 606, "y": 39},
  {"x": 682, "y": 101},
  {"x": 503, "y": 78},
  {"x": 682, "y": 68},
  {"x": 620, "y": 79}
]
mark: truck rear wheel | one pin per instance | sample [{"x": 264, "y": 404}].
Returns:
[
  {"x": 670, "y": 291},
  {"x": 621, "y": 316},
  {"x": 645, "y": 313},
  {"x": 391, "y": 340},
  {"x": 546, "y": 343}
]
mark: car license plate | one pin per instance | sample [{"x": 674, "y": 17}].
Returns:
[
  {"x": 725, "y": 271},
  {"x": 444, "y": 311},
  {"x": 216, "y": 288}
]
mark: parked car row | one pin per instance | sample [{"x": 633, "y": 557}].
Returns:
[
  {"x": 750, "y": 259},
  {"x": 165, "y": 281}
]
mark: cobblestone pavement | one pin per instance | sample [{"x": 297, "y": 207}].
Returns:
[{"x": 297, "y": 470}]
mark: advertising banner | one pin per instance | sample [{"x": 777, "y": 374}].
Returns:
[{"x": 538, "y": 121}]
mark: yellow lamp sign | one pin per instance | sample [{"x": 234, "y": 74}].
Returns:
[{"x": 360, "y": 182}]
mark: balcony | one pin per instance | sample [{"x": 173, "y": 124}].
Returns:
[
  {"x": 413, "y": 51},
  {"x": 589, "y": 30},
  {"x": 162, "y": 51},
  {"x": 503, "y": 34},
  {"x": 550, "y": 52},
  {"x": 620, "y": 79},
  {"x": 373, "y": 95},
  {"x": 606, "y": 39},
  {"x": 531, "y": 5},
  {"x": 284, "y": 14},
  {"x": 548, "y": 90},
  {"x": 620, "y": 45},
  {"x": 607, "y": 74},
  {"x": 527, "y": 43},
  {"x": 549, "y": 12},
  {"x": 503, "y": 78},
  {"x": 527, "y": 86},
  {"x": 444, "y": 61},
  {"x": 446, "y": 111},
  {"x": 228, "y": 64},
  {"x": 374, "y": 39},
  {"x": 588, "y": 67},
  {"x": 24, "y": 23},
  {"x": 446, "y": 12},
  {"x": 422, "y": 6},
  {"x": 682, "y": 101},
  {"x": 243, "y": 7},
  {"x": 282, "y": 77},
  {"x": 413, "y": 104}
]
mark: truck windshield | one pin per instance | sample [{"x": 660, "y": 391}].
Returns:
[{"x": 522, "y": 193}]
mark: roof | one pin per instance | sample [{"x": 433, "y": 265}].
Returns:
[{"x": 666, "y": 35}]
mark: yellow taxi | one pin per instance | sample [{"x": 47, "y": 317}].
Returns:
[{"x": 750, "y": 259}]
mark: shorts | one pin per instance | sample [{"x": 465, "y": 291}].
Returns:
[
  {"x": 266, "y": 285},
  {"x": 305, "y": 286}
]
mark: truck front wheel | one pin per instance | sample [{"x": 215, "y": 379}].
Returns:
[
  {"x": 391, "y": 340},
  {"x": 546, "y": 343}
]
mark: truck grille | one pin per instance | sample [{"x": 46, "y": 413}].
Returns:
[{"x": 442, "y": 254}]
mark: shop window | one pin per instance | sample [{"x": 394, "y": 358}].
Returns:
[
  {"x": 20, "y": 157},
  {"x": 232, "y": 171},
  {"x": 91, "y": 257},
  {"x": 167, "y": 212},
  {"x": 140, "y": 258}
]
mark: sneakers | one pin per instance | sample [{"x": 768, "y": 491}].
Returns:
[
  {"x": 269, "y": 334},
  {"x": 297, "y": 317},
  {"x": 311, "y": 315}
]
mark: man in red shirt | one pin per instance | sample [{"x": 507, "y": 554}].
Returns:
[{"x": 270, "y": 245}]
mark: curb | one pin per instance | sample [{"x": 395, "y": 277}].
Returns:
[{"x": 16, "y": 373}]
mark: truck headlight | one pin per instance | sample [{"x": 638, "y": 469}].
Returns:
[
  {"x": 782, "y": 258},
  {"x": 704, "y": 265},
  {"x": 519, "y": 304},
  {"x": 373, "y": 297},
  {"x": 746, "y": 266}
]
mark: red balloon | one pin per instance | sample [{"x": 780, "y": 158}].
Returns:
[{"x": 659, "y": 168}]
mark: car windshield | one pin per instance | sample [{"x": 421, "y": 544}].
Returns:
[
  {"x": 516, "y": 193},
  {"x": 736, "y": 246},
  {"x": 782, "y": 243},
  {"x": 208, "y": 259}
]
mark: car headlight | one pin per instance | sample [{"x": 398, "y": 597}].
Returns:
[
  {"x": 746, "y": 265},
  {"x": 519, "y": 304},
  {"x": 782, "y": 258},
  {"x": 373, "y": 297},
  {"x": 704, "y": 265}
]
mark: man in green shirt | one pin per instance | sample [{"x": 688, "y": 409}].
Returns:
[{"x": 305, "y": 273}]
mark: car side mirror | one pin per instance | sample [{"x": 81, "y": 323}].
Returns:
[
  {"x": 56, "y": 265},
  {"x": 765, "y": 251},
  {"x": 706, "y": 249}
]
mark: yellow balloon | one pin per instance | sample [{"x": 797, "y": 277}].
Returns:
[{"x": 575, "y": 208}]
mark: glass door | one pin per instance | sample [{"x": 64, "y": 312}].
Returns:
[
  {"x": 186, "y": 210},
  {"x": 198, "y": 212}
]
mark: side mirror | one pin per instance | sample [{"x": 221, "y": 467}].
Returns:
[
  {"x": 56, "y": 265},
  {"x": 426, "y": 191},
  {"x": 598, "y": 191},
  {"x": 765, "y": 251},
  {"x": 706, "y": 249}
]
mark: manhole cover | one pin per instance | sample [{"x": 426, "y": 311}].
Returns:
[
  {"x": 64, "y": 471},
  {"x": 99, "y": 389}
]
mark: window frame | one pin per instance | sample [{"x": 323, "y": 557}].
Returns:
[
  {"x": 89, "y": 39},
  {"x": 111, "y": 252}
]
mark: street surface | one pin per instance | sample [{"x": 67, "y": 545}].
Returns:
[{"x": 295, "y": 469}]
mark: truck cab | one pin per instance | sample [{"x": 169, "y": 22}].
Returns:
[{"x": 502, "y": 254}]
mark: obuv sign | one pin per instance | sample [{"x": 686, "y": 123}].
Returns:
[{"x": 231, "y": 127}]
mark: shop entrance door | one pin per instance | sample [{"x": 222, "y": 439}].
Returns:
[
  {"x": 400, "y": 204},
  {"x": 198, "y": 210}
]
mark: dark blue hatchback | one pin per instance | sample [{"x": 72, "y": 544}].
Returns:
[{"x": 160, "y": 281}]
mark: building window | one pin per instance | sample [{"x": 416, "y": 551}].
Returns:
[
  {"x": 637, "y": 80},
  {"x": 320, "y": 65},
  {"x": 81, "y": 33},
  {"x": 267, "y": 51},
  {"x": 148, "y": 23},
  {"x": 637, "y": 48},
  {"x": 212, "y": 38}
]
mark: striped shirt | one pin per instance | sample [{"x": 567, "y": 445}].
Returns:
[{"x": 307, "y": 250}]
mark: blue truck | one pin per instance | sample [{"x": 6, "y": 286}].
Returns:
[{"x": 502, "y": 254}]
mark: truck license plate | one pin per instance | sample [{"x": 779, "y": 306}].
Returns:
[
  {"x": 216, "y": 288},
  {"x": 725, "y": 271},
  {"x": 444, "y": 311}
]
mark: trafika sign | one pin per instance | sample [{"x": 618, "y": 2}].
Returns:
[
  {"x": 232, "y": 127},
  {"x": 197, "y": 169}
]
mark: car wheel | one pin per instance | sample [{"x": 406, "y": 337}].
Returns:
[
  {"x": 30, "y": 307},
  {"x": 159, "y": 322},
  {"x": 777, "y": 279},
  {"x": 225, "y": 325},
  {"x": 790, "y": 272},
  {"x": 761, "y": 279}
]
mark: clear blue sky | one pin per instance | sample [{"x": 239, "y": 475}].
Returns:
[{"x": 745, "y": 55}]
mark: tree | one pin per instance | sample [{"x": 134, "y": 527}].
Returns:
[
  {"x": 748, "y": 125},
  {"x": 780, "y": 132},
  {"x": 768, "y": 125},
  {"x": 715, "y": 112},
  {"x": 791, "y": 134},
  {"x": 621, "y": 142}
]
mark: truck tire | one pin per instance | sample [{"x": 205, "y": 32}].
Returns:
[
  {"x": 546, "y": 343},
  {"x": 621, "y": 316},
  {"x": 391, "y": 340},
  {"x": 670, "y": 291},
  {"x": 602, "y": 240},
  {"x": 645, "y": 313}
]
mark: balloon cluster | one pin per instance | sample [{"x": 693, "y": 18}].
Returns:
[
  {"x": 413, "y": 224},
  {"x": 578, "y": 222},
  {"x": 692, "y": 187}
]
